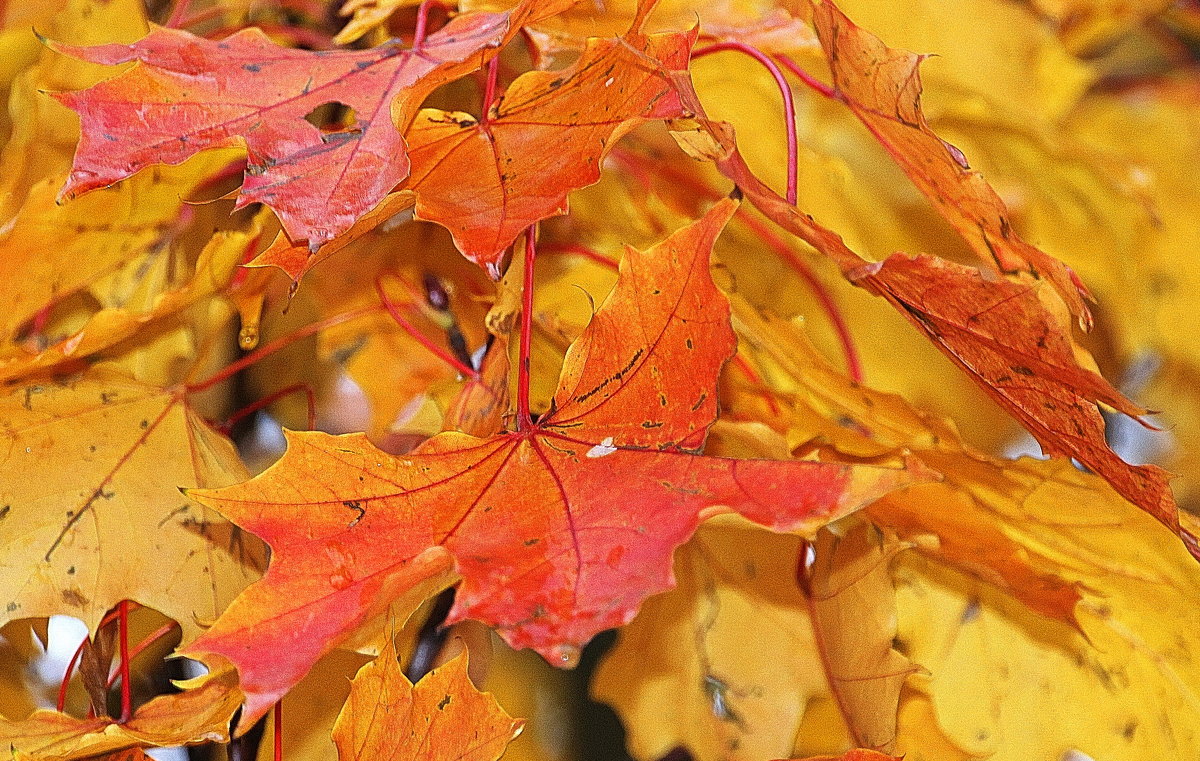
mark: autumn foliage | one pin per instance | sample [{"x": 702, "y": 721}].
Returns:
[{"x": 805, "y": 363}]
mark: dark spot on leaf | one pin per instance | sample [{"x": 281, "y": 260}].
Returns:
[
  {"x": 1022, "y": 370},
  {"x": 253, "y": 67},
  {"x": 971, "y": 612},
  {"x": 144, "y": 424},
  {"x": 443, "y": 703},
  {"x": 357, "y": 507},
  {"x": 614, "y": 378},
  {"x": 531, "y": 542},
  {"x": 74, "y": 597},
  {"x": 11, "y": 607},
  {"x": 648, "y": 424},
  {"x": 4, "y": 511}
]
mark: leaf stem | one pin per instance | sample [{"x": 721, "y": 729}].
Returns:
[
  {"x": 524, "y": 419},
  {"x": 250, "y": 409},
  {"x": 66, "y": 680},
  {"x": 279, "y": 343},
  {"x": 140, "y": 647},
  {"x": 421, "y": 338},
  {"x": 790, "y": 64},
  {"x": 854, "y": 366},
  {"x": 123, "y": 639},
  {"x": 277, "y": 730},
  {"x": 423, "y": 22},
  {"x": 789, "y": 104},
  {"x": 489, "y": 90},
  {"x": 178, "y": 13}
]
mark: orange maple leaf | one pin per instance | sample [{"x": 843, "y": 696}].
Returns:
[
  {"x": 559, "y": 530},
  {"x": 442, "y": 718},
  {"x": 1004, "y": 337},
  {"x": 882, "y": 87},
  {"x": 488, "y": 180}
]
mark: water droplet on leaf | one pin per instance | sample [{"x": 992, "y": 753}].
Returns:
[{"x": 248, "y": 337}]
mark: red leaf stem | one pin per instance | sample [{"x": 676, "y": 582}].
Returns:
[
  {"x": 123, "y": 640},
  {"x": 140, "y": 647},
  {"x": 777, "y": 244},
  {"x": 269, "y": 399},
  {"x": 524, "y": 420},
  {"x": 423, "y": 22},
  {"x": 790, "y": 64},
  {"x": 421, "y": 338},
  {"x": 489, "y": 90},
  {"x": 277, "y": 730},
  {"x": 789, "y": 104},
  {"x": 66, "y": 680},
  {"x": 176, "y": 20},
  {"x": 279, "y": 343}
]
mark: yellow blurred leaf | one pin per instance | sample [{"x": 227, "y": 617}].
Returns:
[{"x": 114, "y": 526}]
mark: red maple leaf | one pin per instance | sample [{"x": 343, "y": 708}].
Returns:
[
  {"x": 190, "y": 93},
  {"x": 559, "y": 529}
]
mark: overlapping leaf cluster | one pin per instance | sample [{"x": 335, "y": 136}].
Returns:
[{"x": 706, "y": 403}]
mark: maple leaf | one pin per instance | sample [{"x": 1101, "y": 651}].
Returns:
[
  {"x": 190, "y": 93},
  {"x": 43, "y": 133},
  {"x": 1000, "y": 674},
  {"x": 559, "y": 530},
  {"x": 1006, "y": 336},
  {"x": 487, "y": 180},
  {"x": 882, "y": 87},
  {"x": 200, "y": 713},
  {"x": 52, "y": 251},
  {"x": 740, "y": 650},
  {"x": 444, "y": 717},
  {"x": 824, "y": 400},
  {"x": 109, "y": 327},
  {"x": 111, "y": 448}
]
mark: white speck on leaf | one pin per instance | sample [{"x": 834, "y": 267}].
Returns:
[{"x": 603, "y": 449}]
